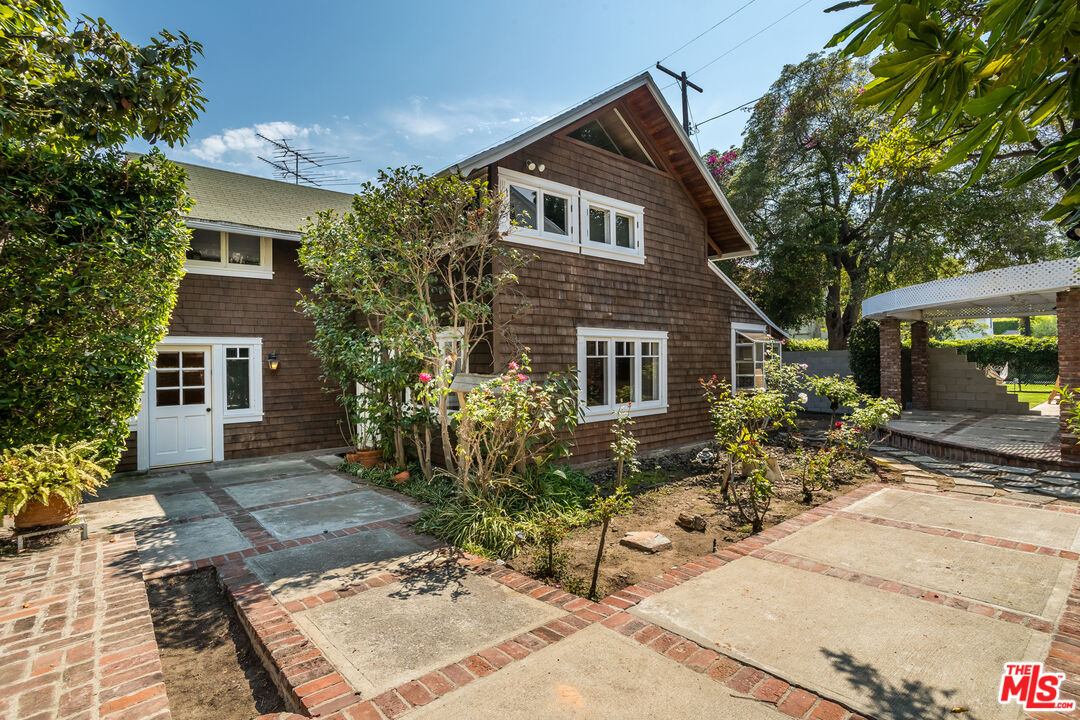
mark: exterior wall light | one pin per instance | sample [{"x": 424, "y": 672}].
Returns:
[
  {"x": 530, "y": 165},
  {"x": 272, "y": 360}
]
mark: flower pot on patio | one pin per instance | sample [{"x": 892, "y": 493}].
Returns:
[
  {"x": 367, "y": 458},
  {"x": 37, "y": 514}
]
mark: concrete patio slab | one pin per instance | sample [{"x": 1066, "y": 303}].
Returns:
[
  {"x": 880, "y": 652},
  {"x": 260, "y": 470},
  {"x": 307, "y": 570},
  {"x": 290, "y": 488},
  {"x": 1030, "y": 583},
  {"x": 141, "y": 511},
  {"x": 332, "y": 460},
  {"x": 600, "y": 675},
  {"x": 145, "y": 485},
  {"x": 1039, "y": 527},
  {"x": 321, "y": 516},
  {"x": 187, "y": 542},
  {"x": 381, "y": 638}
]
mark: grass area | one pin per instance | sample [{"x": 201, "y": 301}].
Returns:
[{"x": 1031, "y": 394}]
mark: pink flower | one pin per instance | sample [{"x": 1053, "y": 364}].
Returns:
[
  {"x": 521, "y": 377},
  {"x": 839, "y": 424},
  {"x": 425, "y": 377},
  {"x": 513, "y": 366}
]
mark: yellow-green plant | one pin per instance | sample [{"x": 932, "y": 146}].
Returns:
[{"x": 38, "y": 472}]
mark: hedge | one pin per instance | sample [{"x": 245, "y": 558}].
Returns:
[
  {"x": 808, "y": 345},
  {"x": 1030, "y": 359}
]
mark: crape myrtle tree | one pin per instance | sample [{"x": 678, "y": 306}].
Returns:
[
  {"x": 404, "y": 286},
  {"x": 91, "y": 241},
  {"x": 842, "y": 204}
]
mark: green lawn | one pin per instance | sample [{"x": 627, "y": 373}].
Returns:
[{"x": 1032, "y": 394}]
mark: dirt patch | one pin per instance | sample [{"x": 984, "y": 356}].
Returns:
[
  {"x": 210, "y": 668},
  {"x": 674, "y": 486}
]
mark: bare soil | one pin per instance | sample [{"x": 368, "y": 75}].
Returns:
[
  {"x": 670, "y": 490},
  {"x": 210, "y": 668}
]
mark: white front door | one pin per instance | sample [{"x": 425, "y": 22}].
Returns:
[{"x": 181, "y": 417}]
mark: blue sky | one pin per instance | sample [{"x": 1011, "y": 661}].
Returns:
[{"x": 393, "y": 83}]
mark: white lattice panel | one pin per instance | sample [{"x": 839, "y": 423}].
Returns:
[{"x": 1012, "y": 291}]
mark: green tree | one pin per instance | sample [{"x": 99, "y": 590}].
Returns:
[
  {"x": 842, "y": 205},
  {"x": 979, "y": 77},
  {"x": 91, "y": 241}
]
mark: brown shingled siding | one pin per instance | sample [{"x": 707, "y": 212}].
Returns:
[
  {"x": 297, "y": 414},
  {"x": 673, "y": 291}
]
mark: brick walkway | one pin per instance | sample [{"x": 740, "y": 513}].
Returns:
[{"x": 76, "y": 636}]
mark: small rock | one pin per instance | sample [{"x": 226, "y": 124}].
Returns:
[
  {"x": 646, "y": 541},
  {"x": 691, "y": 522}
]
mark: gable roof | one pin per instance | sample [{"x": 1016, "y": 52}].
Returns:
[
  {"x": 271, "y": 207},
  {"x": 727, "y": 236}
]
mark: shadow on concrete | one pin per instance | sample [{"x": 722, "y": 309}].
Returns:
[
  {"x": 423, "y": 577},
  {"x": 906, "y": 700}
]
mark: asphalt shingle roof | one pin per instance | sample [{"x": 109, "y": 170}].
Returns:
[{"x": 226, "y": 197}]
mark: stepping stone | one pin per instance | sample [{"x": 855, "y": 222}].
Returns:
[
  {"x": 646, "y": 541},
  {"x": 1065, "y": 493},
  {"x": 1023, "y": 470},
  {"x": 1029, "y": 498},
  {"x": 972, "y": 482},
  {"x": 1059, "y": 482},
  {"x": 974, "y": 490},
  {"x": 1022, "y": 484},
  {"x": 1061, "y": 474},
  {"x": 921, "y": 480}
]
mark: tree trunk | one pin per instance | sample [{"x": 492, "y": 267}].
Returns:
[
  {"x": 599, "y": 557},
  {"x": 1025, "y": 326},
  {"x": 834, "y": 318},
  {"x": 444, "y": 423}
]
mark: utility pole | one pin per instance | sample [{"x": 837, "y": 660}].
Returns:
[{"x": 684, "y": 82}]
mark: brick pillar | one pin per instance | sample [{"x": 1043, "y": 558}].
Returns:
[
  {"x": 920, "y": 365},
  {"x": 890, "y": 359},
  {"x": 1068, "y": 312}
]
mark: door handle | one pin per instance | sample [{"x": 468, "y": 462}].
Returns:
[{"x": 207, "y": 409}]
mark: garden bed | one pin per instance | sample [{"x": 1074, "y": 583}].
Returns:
[{"x": 210, "y": 667}]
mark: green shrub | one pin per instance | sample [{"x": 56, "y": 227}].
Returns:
[
  {"x": 864, "y": 348},
  {"x": 37, "y": 472},
  {"x": 1030, "y": 359},
  {"x": 807, "y": 345}
]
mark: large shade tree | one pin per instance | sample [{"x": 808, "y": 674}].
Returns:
[
  {"x": 842, "y": 204},
  {"x": 91, "y": 240}
]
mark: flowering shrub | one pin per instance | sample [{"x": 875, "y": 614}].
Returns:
[
  {"x": 511, "y": 420},
  {"x": 718, "y": 162}
]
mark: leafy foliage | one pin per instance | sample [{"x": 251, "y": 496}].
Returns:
[
  {"x": 864, "y": 356},
  {"x": 39, "y": 471},
  {"x": 978, "y": 77},
  {"x": 1029, "y": 358},
  {"x": 88, "y": 280},
  {"x": 843, "y": 205},
  {"x": 806, "y": 345}
]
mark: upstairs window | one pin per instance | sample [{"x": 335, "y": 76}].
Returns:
[
  {"x": 541, "y": 210},
  {"x": 610, "y": 132},
  {"x": 619, "y": 369},
  {"x": 216, "y": 252},
  {"x": 612, "y": 227}
]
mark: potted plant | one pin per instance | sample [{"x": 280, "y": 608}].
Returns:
[
  {"x": 363, "y": 453},
  {"x": 42, "y": 485}
]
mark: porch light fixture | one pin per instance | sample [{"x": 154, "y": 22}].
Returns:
[
  {"x": 530, "y": 165},
  {"x": 272, "y": 360}
]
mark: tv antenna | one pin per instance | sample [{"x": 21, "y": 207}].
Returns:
[{"x": 304, "y": 165}]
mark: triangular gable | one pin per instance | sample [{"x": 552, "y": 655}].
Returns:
[{"x": 641, "y": 98}]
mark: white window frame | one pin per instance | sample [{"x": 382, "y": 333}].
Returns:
[
  {"x": 576, "y": 241},
  {"x": 609, "y": 410},
  {"x": 220, "y": 415},
  {"x": 635, "y": 213},
  {"x": 265, "y": 268},
  {"x": 738, "y": 329}
]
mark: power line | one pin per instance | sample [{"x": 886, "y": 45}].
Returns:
[
  {"x": 709, "y": 30},
  {"x": 759, "y": 32},
  {"x": 727, "y": 112}
]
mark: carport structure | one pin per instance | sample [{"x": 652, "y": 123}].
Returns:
[{"x": 1043, "y": 288}]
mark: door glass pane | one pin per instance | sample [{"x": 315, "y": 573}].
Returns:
[
  {"x": 167, "y": 397},
  {"x": 238, "y": 382},
  {"x": 168, "y": 360},
  {"x": 624, "y": 372},
  {"x": 205, "y": 245},
  {"x": 168, "y": 378},
  {"x": 244, "y": 249},
  {"x": 193, "y": 378},
  {"x": 598, "y": 225},
  {"x": 523, "y": 207},
  {"x": 650, "y": 371},
  {"x": 595, "y": 373},
  {"x": 194, "y": 396},
  {"x": 555, "y": 214},
  {"x": 624, "y": 231},
  {"x": 193, "y": 360}
]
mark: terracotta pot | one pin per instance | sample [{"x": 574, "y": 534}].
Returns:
[
  {"x": 38, "y": 514},
  {"x": 367, "y": 458},
  {"x": 401, "y": 477}
]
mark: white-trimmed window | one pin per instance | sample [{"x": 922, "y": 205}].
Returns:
[
  {"x": 611, "y": 227},
  {"x": 242, "y": 365},
  {"x": 555, "y": 216},
  {"x": 218, "y": 252},
  {"x": 617, "y": 367},
  {"x": 750, "y": 345}
]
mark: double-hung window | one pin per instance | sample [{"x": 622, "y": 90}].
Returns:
[
  {"x": 620, "y": 369},
  {"x": 217, "y": 252},
  {"x": 243, "y": 383},
  {"x": 750, "y": 348},
  {"x": 550, "y": 215}
]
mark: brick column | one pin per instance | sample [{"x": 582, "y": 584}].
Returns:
[
  {"x": 920, "y": 365},
  {"x": 890, "y": 359},
  {"x": 1068, "y": 312}
]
